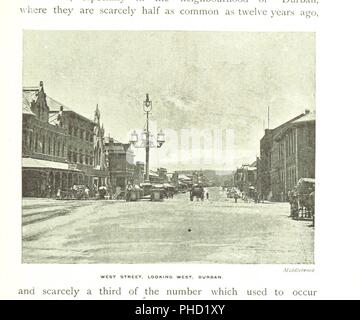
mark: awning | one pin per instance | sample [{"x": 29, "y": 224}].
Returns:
[
  {"x": 153, "y": 174},
  {"x": 184, "y": 177},
  {"x": 32, "y": 163}
]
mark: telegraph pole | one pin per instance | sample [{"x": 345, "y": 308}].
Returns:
[{"x": 147, "y": 145}]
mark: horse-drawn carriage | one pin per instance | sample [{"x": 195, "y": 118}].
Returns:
[
  {"x": 169, "y": 190},
  {"x": 302, "y": 199},
  {"x": 197, "y": 191}
]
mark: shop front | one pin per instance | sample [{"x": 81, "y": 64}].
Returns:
[{"x": 42, "y": 178}]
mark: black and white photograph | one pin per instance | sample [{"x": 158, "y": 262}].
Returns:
[{"x": 168, "y": 147}]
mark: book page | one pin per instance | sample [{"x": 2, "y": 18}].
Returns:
[{"x": 166, "y": 150}]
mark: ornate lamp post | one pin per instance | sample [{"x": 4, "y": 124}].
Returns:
[{"x": 145, "y": 139}]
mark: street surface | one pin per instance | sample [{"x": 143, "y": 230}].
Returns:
[{"x": 176, "y": 230}]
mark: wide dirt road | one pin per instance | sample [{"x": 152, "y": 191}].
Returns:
[{"x": 173, "y": 231}]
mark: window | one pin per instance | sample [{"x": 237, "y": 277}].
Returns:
[
  {"x": 294, "y": 141},
  {"x": 310, "y": 138},
  {"x": 294, "y": 176},
  {"x": 74, "y": 156},
  {"x": 63, "y": 150},
  {"x": 43, "y": 145},
  {"x": 36, "y": 142},
  {"x": 49, "y": 146},
  {"x": 54, "y": 146},
  {"x": 30, "y": 140},
  {"x": 290, "y": 142}
]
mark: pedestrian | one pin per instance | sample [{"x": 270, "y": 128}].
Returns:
[
  {"x": 43, "y": 190},
  {"x": 49, "y": 190},
  {"x": 128, "y": 191},
  {"x": 206, "y": 193},
  {"x": 236, "y": 196},
  {"x": 87, "y": 192}
]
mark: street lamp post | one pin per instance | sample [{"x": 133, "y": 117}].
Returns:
[{"x": 146, "y": 142}]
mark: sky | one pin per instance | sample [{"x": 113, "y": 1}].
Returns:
[{"x": 205, "y": 82}]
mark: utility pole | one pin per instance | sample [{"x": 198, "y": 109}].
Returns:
[{"x": 147, "y": 108}]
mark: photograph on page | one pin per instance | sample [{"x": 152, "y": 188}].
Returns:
[{"x": 188, "y": 147}]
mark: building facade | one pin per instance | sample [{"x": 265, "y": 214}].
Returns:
[
  {"x": 287, "y": 153},
  {"x": 120, "y": 160},
  {"x": 245, "y": 178},
  {"x": 58, "y": 148},
  {"x": 163, "y": 175}
]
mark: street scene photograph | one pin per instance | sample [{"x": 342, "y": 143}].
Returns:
[{"x": 168, "y": 147}]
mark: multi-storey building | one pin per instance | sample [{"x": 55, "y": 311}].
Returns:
[
  {"x": 246, "y": 177},
  {"x": 162, "y": 173},
  {"x": 287, "y": 153},
  {"x": 60, "y": 147},
  {"x": 120, "y": 160}
]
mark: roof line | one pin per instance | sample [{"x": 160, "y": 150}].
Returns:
[
  {"x": 67, "y": 109},
  {"x": 291, "y": 120},
  {"x": 31, "y": 88}
]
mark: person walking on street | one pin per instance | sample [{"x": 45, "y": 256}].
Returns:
[
  {"x": 236, "y": 196},
  {"x": 206, "y": 193}
]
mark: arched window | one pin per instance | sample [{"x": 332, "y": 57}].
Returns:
[{"x": 63, "y": 150}]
